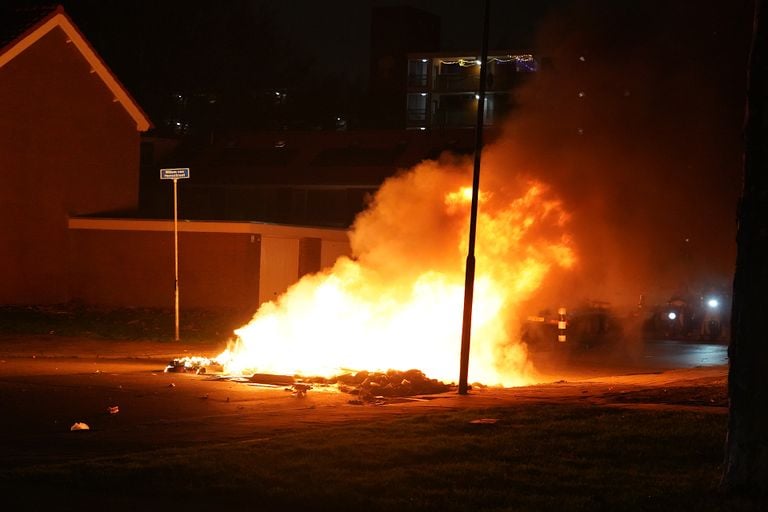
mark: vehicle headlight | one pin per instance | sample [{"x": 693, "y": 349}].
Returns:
[{"x": 713, "y": 303}]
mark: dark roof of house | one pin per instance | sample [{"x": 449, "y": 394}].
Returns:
[{"x": 304, "y": 178}]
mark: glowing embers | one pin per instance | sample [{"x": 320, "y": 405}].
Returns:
[{"x": 398, "y": 303}]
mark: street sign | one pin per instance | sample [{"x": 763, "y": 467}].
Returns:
[{"x": 174, "y": 174}]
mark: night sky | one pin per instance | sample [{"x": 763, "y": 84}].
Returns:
[
  {"x": 159, "y": 48},
  {"x": 635, "y": 117}
]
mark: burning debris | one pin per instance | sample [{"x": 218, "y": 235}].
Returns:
[
  {"x": 397, "y": 303},
  {"x": 194, "y": 364},
  {"x": 369, "y": 386}
]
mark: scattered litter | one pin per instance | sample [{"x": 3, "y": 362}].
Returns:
[
  {"x": 300, "y": 390},
  {"x": 113, "y": 409},
  {"x": 79, "y": 426},
  {"x": 485, "y": 421}
]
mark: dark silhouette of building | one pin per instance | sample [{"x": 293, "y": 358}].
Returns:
[
  {"x": 311, "y": 178},
  {"x": 396, "y": 31}
]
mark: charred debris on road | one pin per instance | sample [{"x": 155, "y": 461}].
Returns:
[{"x": 367, "y": 387}]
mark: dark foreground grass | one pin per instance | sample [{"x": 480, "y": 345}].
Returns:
[
  {"x": 538, "y": 457},
  {"x": 118, "y": 323}
]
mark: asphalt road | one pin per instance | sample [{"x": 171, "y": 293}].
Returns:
[
  {"x": 47, "y": 385},
  {"x": 639, "y": 357},
  {"x": 664, "y": 355}
]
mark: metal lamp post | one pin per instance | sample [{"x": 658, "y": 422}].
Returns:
[{"x": 469, "y": 281}]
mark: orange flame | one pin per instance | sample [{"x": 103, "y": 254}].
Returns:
[{"x": 398, "y": 303}]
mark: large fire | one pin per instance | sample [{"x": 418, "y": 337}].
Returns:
[{"x": 397, "y": 303}]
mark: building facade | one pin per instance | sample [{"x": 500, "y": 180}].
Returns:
[
  {"x": 222, "y": 265},
  {"x": 69, "y": 140},
  {"x": 70, "y": 223},
  {"x": 443, "y": 88}
]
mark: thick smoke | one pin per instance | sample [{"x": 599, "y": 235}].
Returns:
[
  {"x": 635, "y": 118},
  {"x": 406, "y": 230}
]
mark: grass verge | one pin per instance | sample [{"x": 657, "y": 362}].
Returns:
[{"x": 537, "y": 457}]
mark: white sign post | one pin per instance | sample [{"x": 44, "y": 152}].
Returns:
[{"x": 175, "y": 175}]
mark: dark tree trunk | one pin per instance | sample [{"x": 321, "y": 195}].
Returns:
[{"x": 746, "y": 460}]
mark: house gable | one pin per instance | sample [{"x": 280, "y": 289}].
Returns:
[{"x": 58, "y": 18}]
